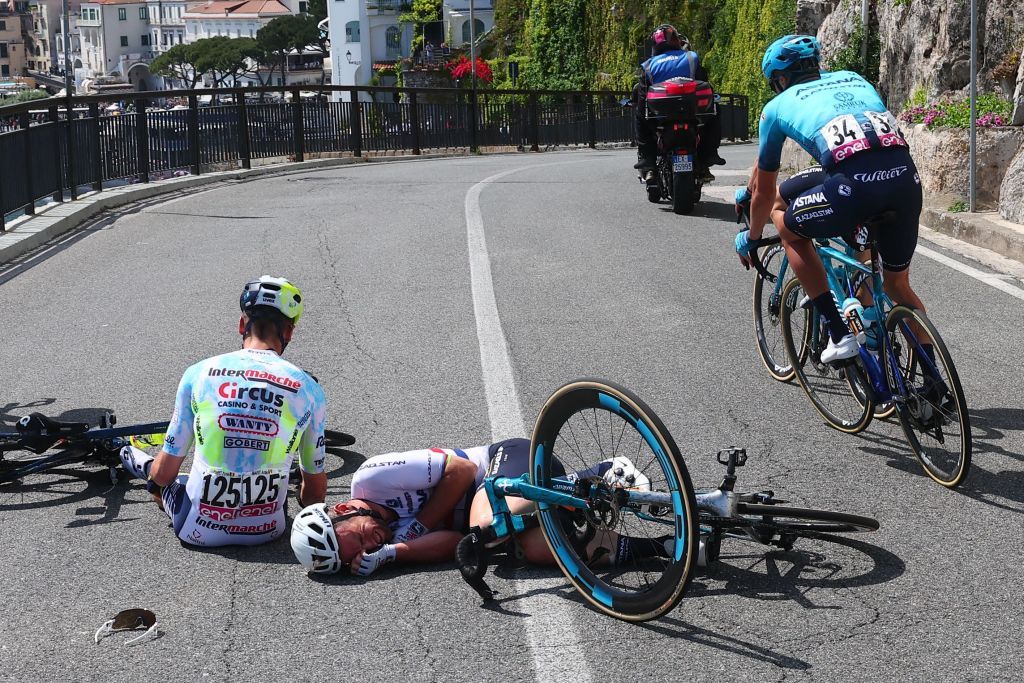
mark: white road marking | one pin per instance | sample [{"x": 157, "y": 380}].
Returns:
[
  {"x": 989, "y": 279},
  {"x": 554, "y": 644}
]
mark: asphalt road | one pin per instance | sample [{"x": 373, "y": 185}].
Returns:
[{"x": 589, "y": 279}]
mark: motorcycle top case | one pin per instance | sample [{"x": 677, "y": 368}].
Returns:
[{"x": 680, "y": 97}]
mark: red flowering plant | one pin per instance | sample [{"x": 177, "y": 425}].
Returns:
[{"x": 462, "y": 68}]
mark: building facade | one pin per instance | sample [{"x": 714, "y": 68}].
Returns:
[
  {"x": 233, "y": 18},
  {"x": 115, "y": 40},
  {"x": 166, "y": 24},
  {"x": 12, "y": 44},
  {"x": 364, "y": 33}
]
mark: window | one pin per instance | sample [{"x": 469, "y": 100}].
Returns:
[
  {"x": 143, "y": 13},
  {"x": 3, "y": 25},
  {"x": 144, "y": 40},
  {"x": 303, "y": 6},
  {"x": 5, "y": 70},
  {"x": 352, "y": 32},
  {"x": 124, "y": 41},
  {"x": 393, "y": 41},
  {"x": 3, "y": 50},
  {"x": 122, "y": 14},
  {"x": 465, "y": 30}
]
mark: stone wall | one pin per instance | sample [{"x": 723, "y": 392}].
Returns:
[{"x": 923, "y": 44}]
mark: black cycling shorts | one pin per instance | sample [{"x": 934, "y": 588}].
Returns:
[
  {"x": 511, "y": 458},
  {"x": 832, "y": 204}
]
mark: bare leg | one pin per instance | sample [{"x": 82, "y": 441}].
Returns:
[{"x": 897, "y": 285}]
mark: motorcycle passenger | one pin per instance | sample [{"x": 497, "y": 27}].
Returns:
[
  {"x": 250, "y": 413},
  {"x": 866, "y": 169},
  {"x": 672, "y": 57}
]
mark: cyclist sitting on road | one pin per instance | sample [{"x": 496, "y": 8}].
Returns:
[
  {"x": 250, "y": 412},
  {"x": 416, "y": 506},
  {"x": 866, "y": 169},
  {"x": 672, "y": 58}
]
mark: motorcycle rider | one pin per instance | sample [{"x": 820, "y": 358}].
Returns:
[{"x": 672, "y": 57}]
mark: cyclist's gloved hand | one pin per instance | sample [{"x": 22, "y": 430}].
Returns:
[
  {"x": 365, "y": 564},
  {"x": 410, "y": 531},
  {"x": 743, "y": 247},
  {"x": 742, "y": 199}
]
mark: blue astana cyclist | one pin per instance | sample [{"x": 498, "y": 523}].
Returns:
[{"x": 865, "y": 170}]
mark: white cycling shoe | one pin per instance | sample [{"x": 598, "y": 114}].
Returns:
[
  {"x": 847, "y": 347},
  {"x": 624, "y": 474}
]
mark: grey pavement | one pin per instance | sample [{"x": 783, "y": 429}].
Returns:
[{"x": 589, "y": 279}]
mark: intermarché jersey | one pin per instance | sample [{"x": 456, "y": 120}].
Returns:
[
  {"x": 405, "y": 481},
  {"x": 249, "y": 413},
  {"x": 832, "y": 118}
]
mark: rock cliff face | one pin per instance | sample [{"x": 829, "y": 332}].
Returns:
[{"x": 924, "y": 43}]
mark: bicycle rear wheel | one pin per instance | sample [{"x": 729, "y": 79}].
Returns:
[
  {"x": 837, "y": 393},
  {"x": 931, "y": 405},
  {"x": 653, "y": 548},
  {"x": 767, "y": 322},
  {"x": 781, "y": 525}
]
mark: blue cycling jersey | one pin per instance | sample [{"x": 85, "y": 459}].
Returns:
[
  {"x": 671, "y": 64},
  {"x": 832, "y": 118}
]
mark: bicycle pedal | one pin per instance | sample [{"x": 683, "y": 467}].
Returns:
[{"x": 736, "y": 457}]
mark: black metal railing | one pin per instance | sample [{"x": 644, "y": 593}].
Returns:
[{"x": 54, "y": 149}]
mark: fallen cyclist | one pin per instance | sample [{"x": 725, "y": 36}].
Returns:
[
  {"x": 250, "y": 413},
  {"x": 415, "y": 507}
]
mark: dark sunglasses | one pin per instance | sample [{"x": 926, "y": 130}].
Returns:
[{"x": 129, "y": 620}]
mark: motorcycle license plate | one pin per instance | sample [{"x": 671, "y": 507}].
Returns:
[{"x": 682, "y": 162}]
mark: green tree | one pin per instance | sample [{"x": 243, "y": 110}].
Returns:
[
  {"x": 179, "y": 62},
  {"x": 419, "y": 14},
  {"x": 226, "y": 59},
  {"x": 283, "y": 35},
  {"x": 26, "y": 96}
]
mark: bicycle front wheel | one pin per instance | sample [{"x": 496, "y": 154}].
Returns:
[
  {"x": 838, "y": 393},
  {"x": 632, "y": 562},
  {"x": 930, "y": 400},
  {"x": 767, "y": 312}
]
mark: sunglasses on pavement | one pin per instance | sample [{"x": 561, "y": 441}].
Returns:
[{"x": 130, "y": 620}]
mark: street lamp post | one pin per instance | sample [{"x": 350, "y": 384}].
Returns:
[
  {"x": 68, "y": 105},
  {"x": 472, "y": 44},
  {"x": 972, "y": 157}
]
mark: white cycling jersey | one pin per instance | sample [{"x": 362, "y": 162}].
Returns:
[
  {"x": 249, "y": 412},
  {"x": 404, "y": 481}
]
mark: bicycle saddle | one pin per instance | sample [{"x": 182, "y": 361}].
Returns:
[{"x": 37, "y": 423}]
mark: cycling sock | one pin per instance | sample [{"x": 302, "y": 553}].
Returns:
[
  {"x": 826, "y": 306},
  {"x": 630, "y": 548},
  {"x": 136, "y": 462}
]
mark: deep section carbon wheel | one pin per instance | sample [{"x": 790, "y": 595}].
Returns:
[{"x": 639, "y": 556}]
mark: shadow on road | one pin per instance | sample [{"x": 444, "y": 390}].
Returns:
[
  {"x": 677, "y": 628},
  {"x": 1003, "y": 489}
]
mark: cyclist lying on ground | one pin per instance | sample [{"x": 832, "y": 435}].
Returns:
[
  {"x": 416, "y": 506},
  {"x": 866, "y": 169},
  {"x": 250, "y": 412}
]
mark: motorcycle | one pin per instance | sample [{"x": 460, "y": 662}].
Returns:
[{"x": 679, "y": 107}]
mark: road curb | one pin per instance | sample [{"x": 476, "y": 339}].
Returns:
[
  {"x": 56, "y": 220},
  {"x": 982, "y": 229}
]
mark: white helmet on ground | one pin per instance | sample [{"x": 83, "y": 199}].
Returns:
[
  {"x": 314, "y": 542},
  {"x": 624, "y": 474}
]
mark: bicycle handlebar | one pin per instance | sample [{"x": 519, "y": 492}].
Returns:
[{"x": 755, "y": 258}]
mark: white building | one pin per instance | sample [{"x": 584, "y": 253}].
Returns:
[
  {"x": 115, "y": 41},
  {"x": 455, "y": 14},
  {"x": 364, "y": 33},
  {"x": 166, "y": 24},
  {"x": 234, "y": 18}
]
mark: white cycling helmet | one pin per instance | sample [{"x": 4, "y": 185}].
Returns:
[{"x": 313, "y": 540}]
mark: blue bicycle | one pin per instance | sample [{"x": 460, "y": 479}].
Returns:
[
  {"x": 892, "y": 372},
  {"x": 649, "y": 504}
]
